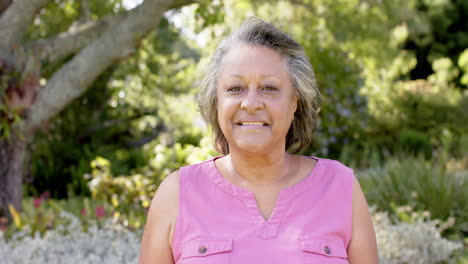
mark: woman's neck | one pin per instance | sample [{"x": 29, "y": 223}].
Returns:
[{"x": 260, "y": 170}]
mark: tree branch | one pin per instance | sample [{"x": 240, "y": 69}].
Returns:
[
  {"x": 16, "y": 19},
  {"x": 77, "y": 37},
  {"x": 72, "y": 41},
  {"x": 4, "y": 4},
  {"x": 72, "y": 79}
]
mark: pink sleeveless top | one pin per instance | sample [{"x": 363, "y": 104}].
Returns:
[{"x": 219, "y": 222}]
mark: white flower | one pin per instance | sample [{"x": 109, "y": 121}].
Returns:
[
  {"x": 417, "y": 243},
  {"x": 108, "y": 244}
]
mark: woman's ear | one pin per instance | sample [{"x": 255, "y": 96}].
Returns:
[{"x": 295, "y": 100}]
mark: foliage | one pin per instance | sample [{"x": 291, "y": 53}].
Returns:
[
  {"x": 108, "y": 242},
  {"x": 438, "y": 30},
  {"x": 133, "y": 193},
  {"x": 415, "y": 98},
  {"x": 417, "y": 242},
  {"x": 180, "y": 144},
  {"x": 7, "y": 120},
  {"x": 420, "y": 117},
  {"x": 125, "y": 193},
  {"x": 70, "y": 136},
  {"x": 463, "y": 64},
  {"x": 208, "y": 13},
  {"x": 41, "y": 214},
  {"x": 423, "y": 185}
]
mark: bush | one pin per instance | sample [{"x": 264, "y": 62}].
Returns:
[
  {"x": 41, "y": 214},
  {"x": 418, "y": 242},
  {"x": 419, "y": 117},
  {"x": 130, "y": 195},
  {"x": 109, "y": 243},
  {"x": 422, "y": 184}
]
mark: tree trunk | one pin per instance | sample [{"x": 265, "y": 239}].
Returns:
[{"x": 12, "y": 154}]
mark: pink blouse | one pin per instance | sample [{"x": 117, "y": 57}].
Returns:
[{"x": 219, "y": 222}]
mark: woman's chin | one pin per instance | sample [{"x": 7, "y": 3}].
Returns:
[{"x": 254, "y": 146}]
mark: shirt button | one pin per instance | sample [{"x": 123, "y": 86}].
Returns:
[
  {"x": 202, "y": 250},
  {"x": 327, "y": 250}
]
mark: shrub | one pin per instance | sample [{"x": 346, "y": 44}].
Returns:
[
  {"x": 110, "y": 243},
  {"x": 126, "y": 194},
  {"x": 419, "y": 242},
  {"x": 418, "y": 117},
  {"x": 130, "y": 195},
  {"x": 422, "y": 184},
  {"x": 41, "y": 214}
]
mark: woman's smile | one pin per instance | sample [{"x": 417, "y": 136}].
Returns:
[{"x": 252, "y": 124}]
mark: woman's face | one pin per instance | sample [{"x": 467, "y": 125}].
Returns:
[{"x": 256, "y": 101}]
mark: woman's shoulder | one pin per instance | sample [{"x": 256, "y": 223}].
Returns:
[
  {"x": 159, "y": 226},
  {"x": 333, "y": 165},
  {"x": 197, "y": 168},
  {"x": 200, "y": 163},
  {"x": 170, "y": 183},
  {"x": 166, "y": 198},
  {"x": 167, "y": 193}
]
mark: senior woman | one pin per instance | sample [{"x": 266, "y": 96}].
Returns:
[{"x": 259, "y": 202}]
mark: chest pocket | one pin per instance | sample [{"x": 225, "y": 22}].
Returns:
[
  {"x": 321, "y": 251},
  {"x": 206, "y": 251}
]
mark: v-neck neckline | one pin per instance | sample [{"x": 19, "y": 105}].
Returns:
[{"x": 285, "y": 196}]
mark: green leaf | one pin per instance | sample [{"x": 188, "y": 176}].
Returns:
[{"x": 16, "y": 216}]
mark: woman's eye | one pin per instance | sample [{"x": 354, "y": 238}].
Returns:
[
  {"x": 234, "y": 89},
  {"x": 270, "y": 88}
]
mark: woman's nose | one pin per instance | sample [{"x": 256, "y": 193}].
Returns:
[{"x": 252, "y": 101}]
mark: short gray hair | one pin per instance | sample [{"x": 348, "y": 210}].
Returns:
[{"x": 255, "y": 31}]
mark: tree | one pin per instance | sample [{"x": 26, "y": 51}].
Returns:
[
  {"x": 117, "y": 117},
  {"x": 87, "y": 48}
]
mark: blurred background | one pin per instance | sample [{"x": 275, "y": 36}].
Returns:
[{"x": 393, "y": 74}]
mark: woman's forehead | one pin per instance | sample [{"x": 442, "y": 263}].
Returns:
[
  {"x": 233, "y": 77},
  {"x": 247, "y": 60}
]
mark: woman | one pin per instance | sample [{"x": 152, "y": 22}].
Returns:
[{"x": 260, "y": 203}]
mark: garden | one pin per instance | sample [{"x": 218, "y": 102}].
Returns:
[{"x": 394, "y": 80}]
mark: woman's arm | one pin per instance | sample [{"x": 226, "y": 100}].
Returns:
[
  {"x": 155, "y": 244},
  {"x": 363, "y": 246}
]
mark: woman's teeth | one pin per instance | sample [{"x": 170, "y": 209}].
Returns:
[{"x": 251, "y": 124}]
